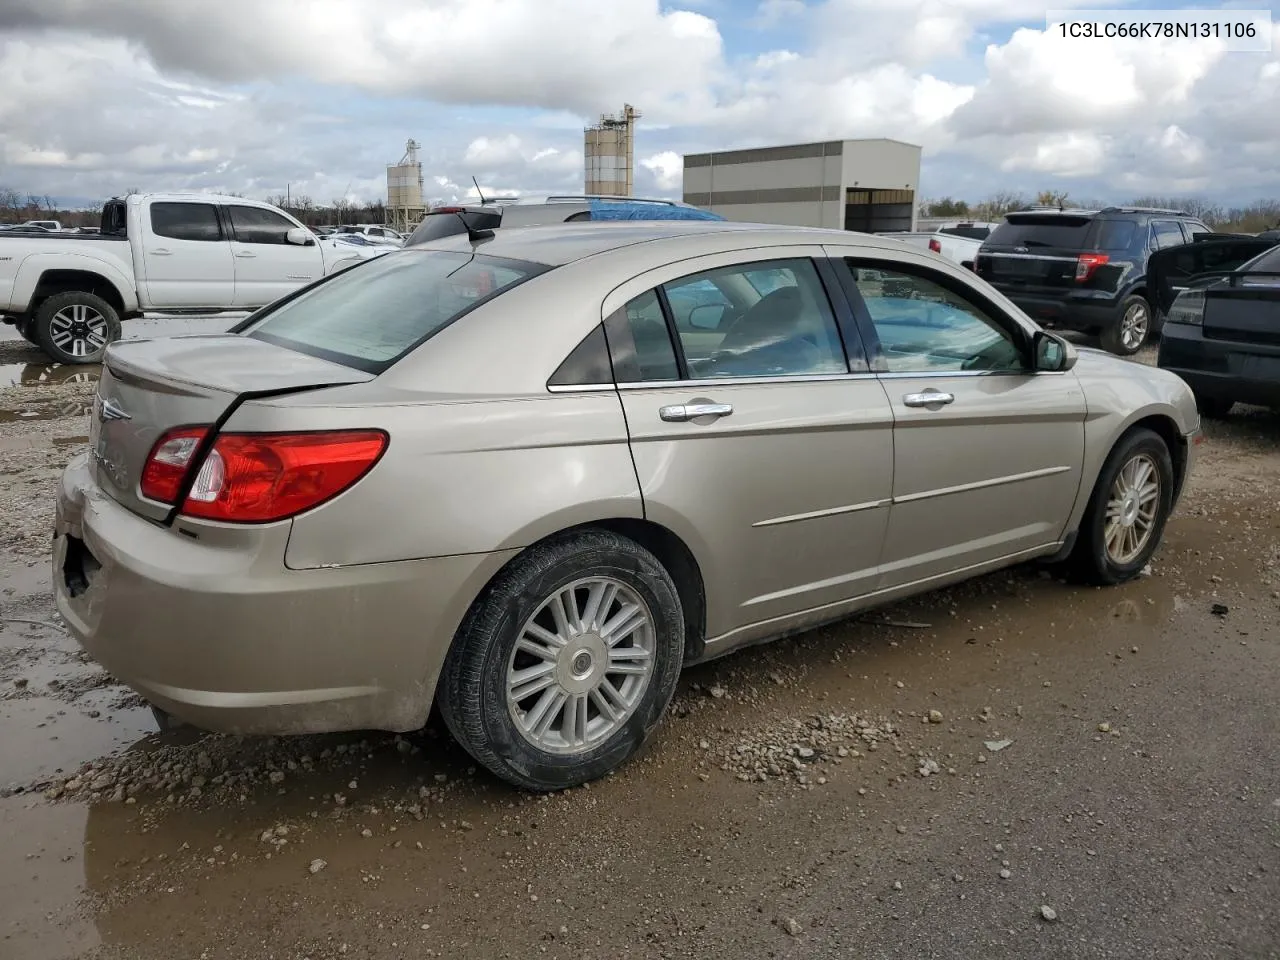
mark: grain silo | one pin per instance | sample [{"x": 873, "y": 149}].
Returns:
[
  {"x": 404, "y": 190},
  {"x": 609, "y": 149}
]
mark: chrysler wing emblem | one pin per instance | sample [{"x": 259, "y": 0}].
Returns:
[
  {"x": 110, "y": 410},
  {"x": 1021, "y": 249}
]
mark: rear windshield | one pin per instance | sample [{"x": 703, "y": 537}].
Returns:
[
  {"x": 372, "y": 314},
  {"x": 436, "y": 226},
  {"x": 1042, "y": 231},
  {"x": 1267, "y": 262},
  {"x": 972, "y": 233}
]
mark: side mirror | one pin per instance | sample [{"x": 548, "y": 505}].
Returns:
[
  {"x": 706, "y": 316},
  {"x": 300, "y": 237},
  {"x": 1053, "y": 354}
]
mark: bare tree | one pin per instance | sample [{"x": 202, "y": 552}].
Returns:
[
  {"x": 998, "y": 204},
  {"x": 1052, "y": 198}
]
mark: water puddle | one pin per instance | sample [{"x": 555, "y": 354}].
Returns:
[{"x": 46, "y": 374}]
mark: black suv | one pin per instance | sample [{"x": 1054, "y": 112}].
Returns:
[{"x": 1084, "y": 269}]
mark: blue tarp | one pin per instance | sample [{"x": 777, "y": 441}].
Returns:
[{"x": 624, "y": 210}]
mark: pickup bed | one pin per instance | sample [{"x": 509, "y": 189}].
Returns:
[
  {"x": 959, "y": 242},
  {"x": 157, "y": 253}
]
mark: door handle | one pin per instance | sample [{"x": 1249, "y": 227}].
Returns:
[
  {"x": 161, "y": 253},
  {"x": 683, "y": 412},
  {"x": 245, "y": 253},
  {"x": 929, "y": 398}
]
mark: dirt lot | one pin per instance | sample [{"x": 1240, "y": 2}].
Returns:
[{"x": 1012, "y": 768}]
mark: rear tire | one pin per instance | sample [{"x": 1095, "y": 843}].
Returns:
[
  {"x": 545, "y": 714},
  {"x": 1132, "y": 328},
  {"x": 1125, "y": 519},
  {"x": 1213, "y": 408},
  {"x": 75, "y": 327}
]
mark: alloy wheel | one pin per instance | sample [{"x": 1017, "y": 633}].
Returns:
[
  {"x": 78, "y": 330},
  {"x": 1133, "y": 326},
  {"x": 580, "y": 665},
  {"x": 1132, "y": 508}
]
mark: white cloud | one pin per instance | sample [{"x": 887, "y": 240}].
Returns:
[{"x": 321, "y": 94}]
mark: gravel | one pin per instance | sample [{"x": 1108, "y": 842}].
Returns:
[{"x": 790, "y": 749}]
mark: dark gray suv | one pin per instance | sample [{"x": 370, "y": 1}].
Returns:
[{"x": 1085, "y": 269}]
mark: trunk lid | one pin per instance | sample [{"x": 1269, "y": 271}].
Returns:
[
  {"x": 1171, "y": 270},
  {"x": 1245, "y": 309},
  {"x": 148, "y": 387}
]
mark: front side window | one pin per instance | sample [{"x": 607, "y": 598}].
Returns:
[
  {"x": 369, "y": 316},
  {"x": 255, "y": 225},
  {"x": 768, "y": 319},
  {"x": 924, "y": 327},
  {"x": 186, "y": 221}
]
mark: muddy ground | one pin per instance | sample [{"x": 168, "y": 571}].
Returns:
[{"x": 921, "y": 783}]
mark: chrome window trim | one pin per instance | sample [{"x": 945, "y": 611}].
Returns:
[{"x": 804, "y": 378}]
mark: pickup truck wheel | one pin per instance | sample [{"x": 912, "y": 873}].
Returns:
[
  {"x": 1131, "y": 328},
  {"x": 76, "y": 327}
]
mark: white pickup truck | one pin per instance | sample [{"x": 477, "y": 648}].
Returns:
[
  {"x": 158, "y": 253},
  {"x": 959, "y": 242}
]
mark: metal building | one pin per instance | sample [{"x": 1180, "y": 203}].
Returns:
[
  {"x": 865, "y": 185},
  {"x": 404, "y": 190},
  {"x": 609, "y": 149}
]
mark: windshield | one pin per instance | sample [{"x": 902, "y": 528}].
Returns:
[
  {"x": 1041, "y": 231},
  {"x": 371, "y": 315}
]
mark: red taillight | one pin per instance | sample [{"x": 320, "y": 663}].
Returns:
[
  {"x": 1087, "y": 263},
  {"x": 447, "y": 210},
  {"x": 168, "y": 462},
  {"x": 259, "y": 477},
  {"x": 935, "y": 245}
]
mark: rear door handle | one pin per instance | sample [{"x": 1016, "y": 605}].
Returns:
[
  {"x": 682, "y": 412},
  {"x": 245, "y": 253},
  {"x": 161, "y": 253},
  {"x": 929, "y": 398}
]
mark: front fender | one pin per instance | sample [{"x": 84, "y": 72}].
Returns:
[{"x": 36, "y": 265}]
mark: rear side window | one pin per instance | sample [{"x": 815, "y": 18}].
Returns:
[
  {"x": 186, "y": 221},
  {"x": 1166, "y": 233},
  {"x": 436, "y": 226},
  {"x": 255, "y": 225},
  {"x": 1042, "y": 231},
  {"x": 1116, "y": 234},
  {"x": 371, "y": 315}
]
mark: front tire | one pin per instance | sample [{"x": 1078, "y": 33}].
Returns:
[
  {"x": 1130, "y": 332},
  {"x": 562, "y": 669},
  {"x": 1127, "y": 512},
  {"x": 76, "y": 327}
]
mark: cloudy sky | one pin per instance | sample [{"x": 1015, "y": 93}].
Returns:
[{"x": 250, "y": 95}]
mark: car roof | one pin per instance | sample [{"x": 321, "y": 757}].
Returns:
[{"x": 560, "y": 244}]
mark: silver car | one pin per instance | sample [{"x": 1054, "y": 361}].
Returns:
[{"x": 531, "y": 477}]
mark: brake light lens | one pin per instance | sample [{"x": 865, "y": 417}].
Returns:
[
  {"x": 261, "y": 478},
  {"x": 1188, "y": 307},
  {"x": 168, "y": 462},
  {"x": 1087, "y": 264},
  {"x": 447, "y": 210},
  {"x": 935, "y": 246}
]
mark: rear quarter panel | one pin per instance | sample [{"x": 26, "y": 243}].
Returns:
[{"x": 462, "y": 476}]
